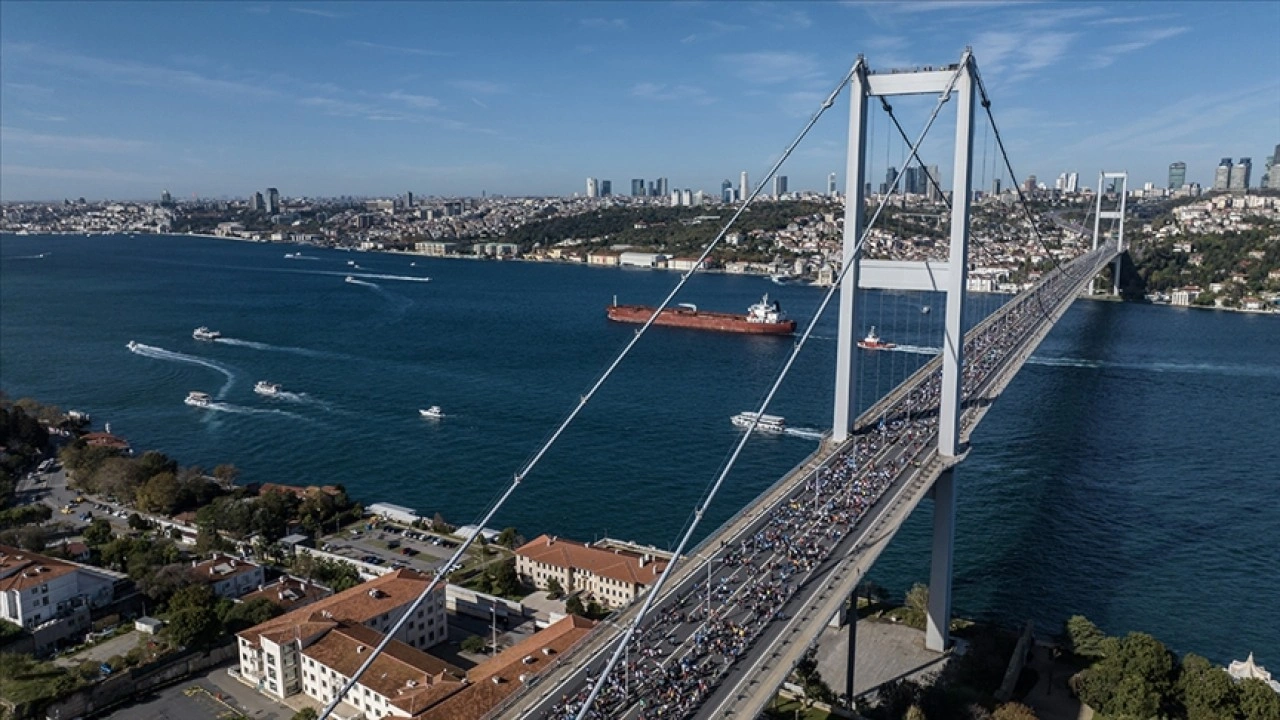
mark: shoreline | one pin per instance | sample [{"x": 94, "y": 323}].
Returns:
[{"x": 476, "y": 258}]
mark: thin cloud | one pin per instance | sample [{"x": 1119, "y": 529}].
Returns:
[
  {"x": 75, "y": 174},
  {"x": 662, "y": 92},
  {"x": 481, "y": 87},
  {"x": 423, "y": 102},
  {"x": 782, "y": 17},
  {"x": 317, "y": 12},
  {"x": 133, "y": 73},
  {"x": 1138, "y": 41},
  {"x": 73, "y": 143},
  {"x": 477, "y": 102},
  {"x": 604, "y": 23},
  {"x": 396, "y": 49},
  {"x": 772, "y": 68}
]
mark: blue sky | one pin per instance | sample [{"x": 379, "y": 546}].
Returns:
[{"x": 123, "y": 100}]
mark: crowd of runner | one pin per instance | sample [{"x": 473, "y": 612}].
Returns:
[{"x": 689, "y": 642}]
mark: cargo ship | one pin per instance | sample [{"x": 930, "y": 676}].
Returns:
[{"x": 763, "y": 318}]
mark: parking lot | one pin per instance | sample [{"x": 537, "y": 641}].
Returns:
[{"x": 389, "y": 545}]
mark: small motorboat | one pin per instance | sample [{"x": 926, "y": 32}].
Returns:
[
  {"x": 873, "y": 342},
  {"x": 432, "y": 413}
]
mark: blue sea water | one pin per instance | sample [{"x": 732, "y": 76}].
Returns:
[{"x": 1129, "y": 473}]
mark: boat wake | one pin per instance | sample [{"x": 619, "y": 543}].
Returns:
[
  {"x": 242, "y": 410},
  {"x": 299, "y": 256},
  {"x": 806, "y": 433},
  {"x": 365, "y": 283},
  {"x": 41, "y": 256},
  {"x": 157, "y": 353},
  {"x": 915, "y": 349},
  {"x": 402, "y": 278},
  {"x": 269, "y": 348},
  {"x": 300, "y": 397}
]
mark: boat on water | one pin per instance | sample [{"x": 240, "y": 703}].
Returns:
[
  {"x": 269, "y": 389},
  {"x": 196, "y": 398},
  {"x": 767, "y": 423},
  {"x": 873, "y": 342},
  {"x": 204, "y": 333},
  {"x": 351, "y": 262},
  {"x": 432, "y": 413},
  {"x": 763, "y": 318},
  {"x": 131, "y": 345},
  {"x": 350, "y": 279}
]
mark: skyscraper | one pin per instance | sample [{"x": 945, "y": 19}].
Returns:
[
  {"x": 408, "y": 199},
  {"x": 933, "y": 184},
  {"x": 662, "y": 187},
  {"x": 911, "y": 180},
  {"x": 1073, "y": 182},
  {"x": 1240, "y": 175},
  {"x": 995, "y": 186},
  {"x": 1222, "y": 176},
  {"x": 779, "y": 185},
  {"x": 1177, "y": 175},
  {"x": 606, "y": 188},
  {"x": 1273, "y": 170},
  {"x": 831, "y": 185},
  {"x": 166, "y": 198},
  {"x": 889, "y": 176},
  {"x": 255, "y": 202},
  {"x": 726, "y": 192},
  {"x": 592, "y": 188},
  {"x": 744, "y": 188},
  {"x": 637, "y": 187},
  {"x": 273, "y": 201}
]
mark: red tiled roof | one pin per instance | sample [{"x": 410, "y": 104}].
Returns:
[
  {"x": 20, "y": 569},
  {"x": 619, "y": 565}
]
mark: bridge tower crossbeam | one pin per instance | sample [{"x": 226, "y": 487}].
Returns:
[
  {"x": 959, "y": 82},
  {"x": 1118, "y": 214}
]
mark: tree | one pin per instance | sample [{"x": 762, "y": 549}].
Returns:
[
  {"x": 241, "y": 616},
  {"x": 305, "y": 714},
  {"x": 1014, "y": 711},
  {"x": 474, "y": 644},
  {"x": 916, "y": 606},
  {"x": 1085, "y": 639},
  {"x": 503, "y": 579},
  {"x": 554, "y": 588},
  {"x": 226, "y": 473},
  {"x": 193, "y": 619},
  {"x": 1258, "y": 701},
  {"x": 573, "y": 606},
  {"x": 1136, "y": 679},
  {"x": 508, "y": 538},
  {"x": 137, "y": 522},
  {"x": 165, "y": 581},
  {"x": 1207, "y": 692},
  {"x": 98, "y": 532},
  {"x": 159, "y": 494},
  {"x": 914, "y": 713}
]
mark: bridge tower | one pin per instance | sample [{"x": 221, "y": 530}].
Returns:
[
  {"x": 959, "y": 83},
  {"x": 1122, "y": 180}
]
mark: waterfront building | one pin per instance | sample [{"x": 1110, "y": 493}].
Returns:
[
  {"x": 593, "y": 189},
  {"x": 226, "y": 576},
  {"x": 779, "y": 185},
  {"x": 613, "y": 577},
  {"x": 52, "y": 598},
  {"x": 1240, "y": 175},
  {"x": 642, "y": 259},
  {"x": 1248, "y": 669},
  {"x": 637, "y": 187},
  {"x": 300, "y": 650},
  {"x": 1177, "y": 175},
  {"x": 273, "y": 201},
  {"x": 831, "y": 185},
  {"x": 744, "y": 187},
  {"x": 606, "y": 188},
  {"x": 1222, "y": 176}
]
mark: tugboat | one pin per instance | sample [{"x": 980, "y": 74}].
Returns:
[
  {"x": 763, "y": 318},
  {"x": 267, "y": 388},
  {"x": 204, "y": 333},
  {"x": 432, "y": 413},
  {"x": 873, "y": 342},
  {"x": 198, "y": 399}
]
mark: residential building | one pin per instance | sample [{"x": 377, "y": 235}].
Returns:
[
  {"x": 166, "y": 198},
  {"x": 1240, "y": 175},
  {"x": 779, "y": 185},
  {"x": 662, "y": 187},
  {"x": 1177, "y": 175},
  {"x": 273, "y": 201},
  {"x": 289, "y": 593},
  {"x": 1222, "y": 176},
  {"x": 52, "y": 598},
  {"x": 275, "y": 657},
  {"x": 606, "y": 258},
  {"x": 227, "y": 576},
  {"x": 434, "y": 248},
  {"x": 256, "y": 202},
  {"x": 1073, "y": 182},
  {"x": 1273, "y": 170},
  {"x": 612, "y": 577},
  {"x": 1184, "y": 296}
]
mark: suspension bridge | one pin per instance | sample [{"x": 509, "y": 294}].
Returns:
[{"x": 729, "y": 618}]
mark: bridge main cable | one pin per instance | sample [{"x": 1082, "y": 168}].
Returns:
[
  {"x": 700, "y": 511},
  {"x": 528, "y": 467}
]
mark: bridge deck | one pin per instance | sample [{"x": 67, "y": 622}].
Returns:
[{"x": 718, "y": 591}]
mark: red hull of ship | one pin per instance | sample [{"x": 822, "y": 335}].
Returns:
[{"x": 698, "y": 320}]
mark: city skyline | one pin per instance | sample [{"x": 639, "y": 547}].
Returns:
[{"x": 117, "y": 100}]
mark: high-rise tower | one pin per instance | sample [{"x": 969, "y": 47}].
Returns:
[
  {"x": 831, "y": 185},
  {"x": 1222, "y": 176},
  {"x": 593, "y": 189},
  {"x": 1177, "y": 175},
  {"x": 744, "y": 187},
  {"x": 1240, "y": 175}
]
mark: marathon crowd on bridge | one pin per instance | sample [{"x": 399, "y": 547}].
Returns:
[{"x": 689, "y": 642}]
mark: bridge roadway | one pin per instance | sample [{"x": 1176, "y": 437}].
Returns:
[{"x": 729, "y": 628}]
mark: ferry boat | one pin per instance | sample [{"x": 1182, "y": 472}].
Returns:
[
  {"x": 763, "y": 318},
  {"x": 873, "y": 342},
  {"x": 269, "y": 389},
  {"x": 432, "y": 413},
  {"x": 204, "y": 333},
  {"x": 767, "y": 423},
  {"x": 198, "y": 399}
]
